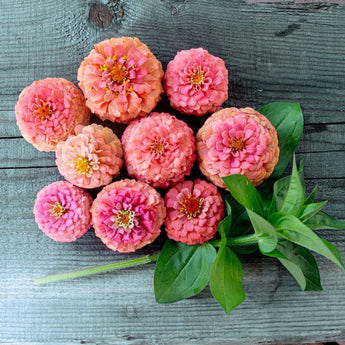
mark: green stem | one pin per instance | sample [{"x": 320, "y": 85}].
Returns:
[
  {"x": 237, "y": 241},
  {"x": 88, "y": 271}
]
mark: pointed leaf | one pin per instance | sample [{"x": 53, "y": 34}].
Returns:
[
  {"x": 311, "y": 197},
  {"x": 287, "y": 118},
  {"x": 295, "y": 196},
  {"x": 322, "y": 220},
  {"x": 309, "y": 210},
  {"x": 244, "y": 192},
  {"x": 182, "y": 270},
  {"x": 292, "y": 229},
  {"x": 266, "y": 233},
  {"x": 302, "y": 265},
  {"x": 224, "y": 226},
  {"x": 226, "y": 279}
]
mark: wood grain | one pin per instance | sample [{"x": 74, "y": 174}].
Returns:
[{"x": 274, "y": 52}]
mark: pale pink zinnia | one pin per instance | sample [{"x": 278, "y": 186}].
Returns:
[
  {"x": 127, "y": 215},
  {"x": 194, "y": 210},
  {"x": 237, "y": 141},
  {"x": 62, "y": 211},
  {"x": 196, "y": 82},
  {"x": 121, "y": 79},
  {"x": 159, "y": 149},
  {"x": 48, "y": 110},
  {"x": 90, "y": 158}
]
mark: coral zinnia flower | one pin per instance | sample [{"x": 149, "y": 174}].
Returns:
[
  {"x": 127, "y": 215},
  {"x": 48, "y": 110},
  {"x": 62, "y": 211},
  {"x": 91, "y": 158},
  {"x": 193, "y": 211},
  {"x": 121, "y": 79},
  {"x": 196, "y": 82},
  {"x": 159, "y": 149},
  {"x": 237, "y": 141}
]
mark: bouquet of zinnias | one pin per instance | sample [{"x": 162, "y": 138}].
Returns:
[{"x": 244, "y": 206}]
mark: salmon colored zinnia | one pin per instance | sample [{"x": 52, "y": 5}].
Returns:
[
  {"x": 237, "y": 141},
  {"x": 196, "y": 82},
  {"x": 62, "y": 211},
  {"x": 194, "y": 210},
  {"x": 90, "y": 158},
  {"x": 127, "y": 215},
  {"x": 159, "y": 149},
  {"x": 121, "y": 79},
  {"x": 48, "y": 110}
]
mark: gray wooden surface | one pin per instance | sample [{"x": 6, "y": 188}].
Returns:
[{"x": 275, "y": 52}]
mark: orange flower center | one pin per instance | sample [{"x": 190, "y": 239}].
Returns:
[
  {"x": 238, "y": 144},
  {"x": 57, "y": 210},
  {"x": 83, "y": 165},
  {"x": 197, "y": 77},
  {"x": 191, "y": 206},
  {"x": 43, "y": 111},
  {"x": 157, "y": 147},
  {"x": 125, "y": 219},
  {"x": 119, "y": 73}
]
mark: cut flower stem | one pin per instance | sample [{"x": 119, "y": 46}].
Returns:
[
  {"x": 88, "y": 271},
  {"x": 237, "y": 241}
]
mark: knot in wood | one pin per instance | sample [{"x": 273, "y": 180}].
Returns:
[{"x": 100, "y": 15}]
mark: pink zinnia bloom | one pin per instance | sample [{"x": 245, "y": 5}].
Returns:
[
  {"x": 127, "y": 215},
  {"x": 121, "y": 79},
  {"x": 196, "y": 82},
  {"x": 90, "y": 158},
  {"x": 62, "y": 211},
  {"x": 237, "y": 141},
  {"x": 159, "y": 149},
  {"x": 194, "y": 210},
  {"x": 48, "y": 110}
]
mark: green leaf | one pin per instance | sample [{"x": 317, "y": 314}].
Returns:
[
  {"x": 287, "y": 118},
  {"x": 322, "y": 220},
  {"x": 302, "y": 265},
  {"x": 243, "y": 190},
  {"x": 292, "y": 229},
  {"x": 266, "y": 233},
  {"x": 266, "y": 192},
  {"x": 309, "y": 210},
  {"x": 311, "y": 197},
  {"x": 233, "y": 206},
  {"x": 295, "y": 196},
  {"x": 182, "y": 270},
  {"x": 226, "y": 279},
  {"x": 224, "y": 226}
]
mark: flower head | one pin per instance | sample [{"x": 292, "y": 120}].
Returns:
[
  {"x": 62, "y": 211},
  {"x": 121, "y": 79},
  {"x": 194, "y": 210},
  {"x": 237, "y": 141},
  {"x": 127, "y": 215},
  {"x": 196, "y": 82},
  {"x": 48, "y": 110},
  {"x": 159, "y": 149},
  {"x": 91, "y": 157}
]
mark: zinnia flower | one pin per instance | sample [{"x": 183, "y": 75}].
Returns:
[
  {"x": 121, "y": 79},
  {"x": 90, "y": 158},
  {"x": 62, "y": 211},
  {"x": 193, "y": 211},
  {"x": 48, "y": 110},
  {"x": 159, "y": 149},
  {"x": 237, "y": 141},
  {"x": 196, "y": 82},
  {"x": 127, "y": 215}
]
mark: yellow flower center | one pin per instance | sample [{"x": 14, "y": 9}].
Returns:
[
  {"x": 57, "y": 210},
  {"x": 238, "y": 144},
  {"x": 157, "y": 147},
  {"x": 197, "y": 77},
  {"x": 191, "y": 206},
  {"x": 43, "y": 111},
  {"x": 83, "y": 165},
  {"x": 125, "y": 219},
  {"x": 119, "y": 73}
]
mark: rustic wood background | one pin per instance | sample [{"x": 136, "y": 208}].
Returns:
[{"x": 282, "y": 51}]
